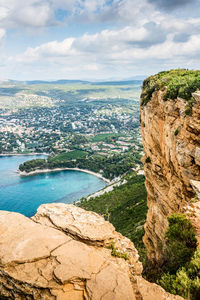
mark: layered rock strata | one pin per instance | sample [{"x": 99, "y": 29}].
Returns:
[
  {"x": 171, "y": 142},
  {"x": 64, "y": 253}
]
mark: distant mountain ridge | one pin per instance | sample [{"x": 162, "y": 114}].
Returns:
[
  {"x": 61, "y": 81},
  {"x": 122, "y": 82},
  {"x": 69, "y": 81}
]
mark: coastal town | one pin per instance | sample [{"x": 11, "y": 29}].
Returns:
[{"x": 58, "y": 123}]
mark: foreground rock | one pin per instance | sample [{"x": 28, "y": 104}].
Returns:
[{"x": 63, "y": 253}]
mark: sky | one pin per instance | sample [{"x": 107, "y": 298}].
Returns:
[{"x": 97, "y": 39}]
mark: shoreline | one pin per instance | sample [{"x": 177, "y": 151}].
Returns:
[
  {"x": 107, "y": 189},
  {"x": 22, "y": 154},
  {"x": 24, "y": 173}
]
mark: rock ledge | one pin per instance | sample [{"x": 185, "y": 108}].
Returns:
[{"x": 63, "y": 253}]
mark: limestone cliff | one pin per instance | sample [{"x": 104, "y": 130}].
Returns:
[
  {"x": 64, "y": 253},
  {"x": 171, "y": 140}
]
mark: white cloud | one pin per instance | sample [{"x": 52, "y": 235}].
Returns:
[
  {"x": 41, "y": 13},
  {"x": 2, "y": 34},
  {"x": 138, "y": 36},
  {"x": 51, "y": 49},
  {"x": 35, "y": 15},
  {"x": 31, "y": 13},
  {"x": 110, "y": 52}
]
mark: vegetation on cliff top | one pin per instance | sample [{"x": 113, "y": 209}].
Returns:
[{"x": 176, "y": 83}]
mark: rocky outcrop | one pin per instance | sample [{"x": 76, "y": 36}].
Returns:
[
  {"x": 171, "y": 140},
  {"x": 66, "y": 253}
]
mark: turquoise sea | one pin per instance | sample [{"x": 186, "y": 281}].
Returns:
[{"x": 25, "y": 194}]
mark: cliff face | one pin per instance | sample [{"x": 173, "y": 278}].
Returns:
[
  {"x": 171, "y": 141},
  {"x": 63, "y": 253}
]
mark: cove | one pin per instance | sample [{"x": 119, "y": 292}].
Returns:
[{"x": 25, "y": 194}]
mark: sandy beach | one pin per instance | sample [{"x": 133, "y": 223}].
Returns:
[{"x": 63, "y": 169}]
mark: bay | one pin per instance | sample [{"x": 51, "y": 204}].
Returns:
[{"x": 25, "y": 194}]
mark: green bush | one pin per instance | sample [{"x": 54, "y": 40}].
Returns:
[
  {"x": 148, "y": 160},
  {"x": 188, "y": 108},
  {"x": 181, "y": 242},
  {"x": 33, "y": 164},
  {"x": 186, "y": 281},
  {"x": 181, "y": 269},
  {"x": 118, "y": 253},
  {"x": 176, "y": 132}
]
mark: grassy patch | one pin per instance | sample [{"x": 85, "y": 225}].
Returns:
[
  {"x": 118, "y": 253},
  {"x": 103, "y": 137}
]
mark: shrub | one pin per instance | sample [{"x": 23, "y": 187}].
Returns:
[
  {"x": 186, "y": 282},
  {"x": 181, "y": 269},
  {"x": 176, "y": 132},
  {"x": 181, "y": 242},
  {"x": 118, "y": 253},
  {"x": 188, "y": 111},
  {"x": 188, "y": 108},
  {"x": 148, "y": 160}
]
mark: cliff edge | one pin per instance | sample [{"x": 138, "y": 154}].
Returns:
[
  {"x": 170, "y": 126},
  {"x": 66, "y": 253}
]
